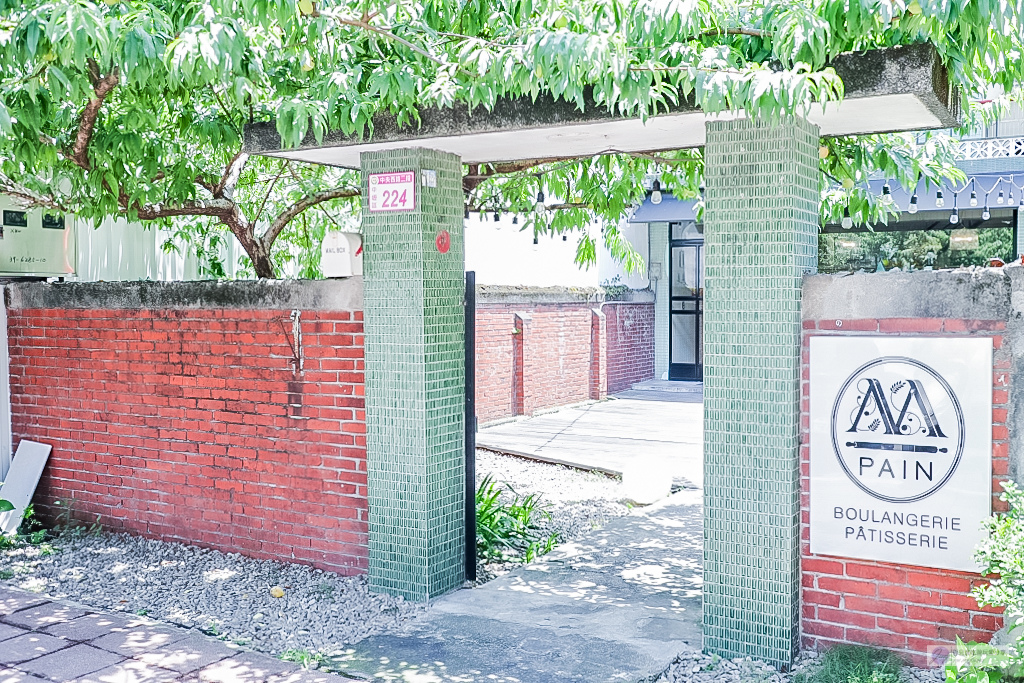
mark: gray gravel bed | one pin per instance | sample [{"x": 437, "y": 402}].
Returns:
[
  {"x": 224, "y": 595},
  {"x": 228, "y": 595},
  {"x": 701, "y": 668}
]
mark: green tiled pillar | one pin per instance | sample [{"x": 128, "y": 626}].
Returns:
[
  {"x": 415, "y": 378},
  {"x": 760, "y": 237}
]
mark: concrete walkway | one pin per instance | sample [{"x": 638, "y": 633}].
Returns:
[
  {"x": 646, "y": 427},
  {"x": 619, "y": 605},
  {"x": 43, "y": 640}
]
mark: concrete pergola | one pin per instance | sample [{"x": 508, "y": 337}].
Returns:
[{"x": 761, "y": 236}]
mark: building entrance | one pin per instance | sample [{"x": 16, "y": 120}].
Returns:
[{"x": 686, "y": 303}]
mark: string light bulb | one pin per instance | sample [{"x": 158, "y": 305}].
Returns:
[
  {"x": 539, "y": 206},
  {"x": 515, "y": 219},
  {"x": 467, "y": 211},
  {"x": 565, "y": 238},
  {"x": 974, "y": 198},
  {"x": 497, "y": 216},
  {"x": 985, "y": 213},
  {"x": 847, "y": 219},
  {"x": 886, "y": 194},
  {"x": 954, "y": 217},
  {"x": 940, "y": 201},
  {"x": 913, "y": 204},
  {"x": 535, "y": 243},
  {"x": 1000, "y": 198},
  {"x": 656, "y": 192}
]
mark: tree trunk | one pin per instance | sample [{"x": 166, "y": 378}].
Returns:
[
  {"x": 257, "y": 251},
  {"x": 261, "y": 262}
]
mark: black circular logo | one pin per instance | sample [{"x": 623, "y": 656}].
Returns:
[{"x": 897, "y": 429}]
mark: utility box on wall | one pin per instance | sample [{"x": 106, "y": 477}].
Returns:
[
  {"x": 341, "y": 254},
  {"x": 36, "y": 242}
]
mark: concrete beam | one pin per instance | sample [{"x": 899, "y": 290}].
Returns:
[{"x": 895, "y": 89}]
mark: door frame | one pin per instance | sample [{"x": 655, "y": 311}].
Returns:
[{"x": 692, "y": 372}]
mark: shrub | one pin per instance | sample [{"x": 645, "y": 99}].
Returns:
[
  {"x": 507, "y": 524},
  {"x": 855, "y": 664}
]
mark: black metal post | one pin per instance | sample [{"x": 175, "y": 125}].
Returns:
[{"x": 471, "y": 426}]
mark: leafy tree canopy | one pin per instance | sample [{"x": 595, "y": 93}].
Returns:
[{"x": 136, "y": 108}]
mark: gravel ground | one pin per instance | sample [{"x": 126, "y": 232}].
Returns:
[
  {"x": 224, "y": 595},
  {"x": 577, "y": 501},
  {"x": 228, "y": 595},
  {"x": 701, "y": 668}
]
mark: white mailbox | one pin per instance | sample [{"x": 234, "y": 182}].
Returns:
[{"x": 341, "y": 254}]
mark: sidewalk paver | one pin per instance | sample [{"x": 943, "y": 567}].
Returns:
[
  {"x": 618, "y": 605},
  {"x": 51, "y": 641},
  {"x": 652, "y": 432},
  {"x": 71, "y": 663}
]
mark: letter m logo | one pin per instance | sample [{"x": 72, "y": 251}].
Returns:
[{"x": 893, "y": 417}]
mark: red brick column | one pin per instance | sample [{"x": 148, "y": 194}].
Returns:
[{"x": 909, "y": 609}]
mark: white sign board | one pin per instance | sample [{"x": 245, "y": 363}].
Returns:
[
  {"x": 901, "y": 448},
  {"x": 392, "y": 191}
]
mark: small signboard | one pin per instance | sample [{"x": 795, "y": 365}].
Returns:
[
  {"x": 901, "y": 448},
  {"x": 392, "y": 191}
]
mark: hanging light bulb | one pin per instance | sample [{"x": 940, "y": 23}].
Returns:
[
  {"x": 565, "y": 238},
  {"x": 913, "y": 204},
  {"x": 497, "y": 216},
  {"x": 986, "y": 214},
  {"x": 539, "y": 206},
  {"x": 535, "y": 243},
  {"x": 467, "y": 211},
  {"x": 954, "y": 217},
  {"x": 656, "y": 192},
  {"x": 939, "y": 199},
  {"x": 515, "y": 219},
  {"x": 847, "y": 220},
  {"x": 886, "y": 194},
  {"x": 1009, "y": 200},
  {"x": 1001, "y": 198},
  {"x": 974, "y": 198}
]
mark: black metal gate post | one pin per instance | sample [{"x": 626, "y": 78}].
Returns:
[{"x": 471, "y": 426}]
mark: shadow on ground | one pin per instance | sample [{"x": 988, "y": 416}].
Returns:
[{"x": 619, "y": 605}]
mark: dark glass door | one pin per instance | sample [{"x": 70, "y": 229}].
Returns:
[{"x": 686, "y": 311}]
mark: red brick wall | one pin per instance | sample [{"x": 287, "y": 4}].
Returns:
[
  {"x": 542, "y": 355},
  {"x": 630, "y": 330},
  {"x": 196, "y": 425},
  {"x": 904, "y": 608}
]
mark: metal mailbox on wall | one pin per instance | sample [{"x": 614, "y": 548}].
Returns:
[
  {"x": 36, "y": 243},
  {"x": 901, "y": 448}
]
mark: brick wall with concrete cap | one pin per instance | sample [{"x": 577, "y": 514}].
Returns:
[
  {"x": 906, "y": 608},
  {"x": 180, "y": 411},
  {"x": 415, "y": 379},
  {"x": 543, "y": 345},
  {"x": 760, "y": 236}
]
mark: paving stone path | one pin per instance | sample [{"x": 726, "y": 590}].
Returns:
[
  {"x": 43, "y": 640},
  {"x": 616, "y": 606}
]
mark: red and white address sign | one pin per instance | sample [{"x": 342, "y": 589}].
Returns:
[{"x": 392, "y": 191}]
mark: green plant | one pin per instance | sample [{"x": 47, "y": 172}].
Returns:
[
  {"x": 507, "y": 524},
  {"x": 854, "y": 664},
  {"x": 307, "y": 659},
  {"x": 978, "y": 663},
  {"x": 1001, "y": 557}
]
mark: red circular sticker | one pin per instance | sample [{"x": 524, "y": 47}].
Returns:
[{"x": 443, "y": 241}]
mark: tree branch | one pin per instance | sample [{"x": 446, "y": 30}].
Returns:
[
  {"x": 752, "y": 32},
  {"x": 216, "y": 208},
  {"x": 102, "y": 85},
  {"x": 226, "y": 187},
  {"x": 298, "y": 207}
]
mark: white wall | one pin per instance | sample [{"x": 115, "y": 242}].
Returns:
[{"x": 504, "y": 254}]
